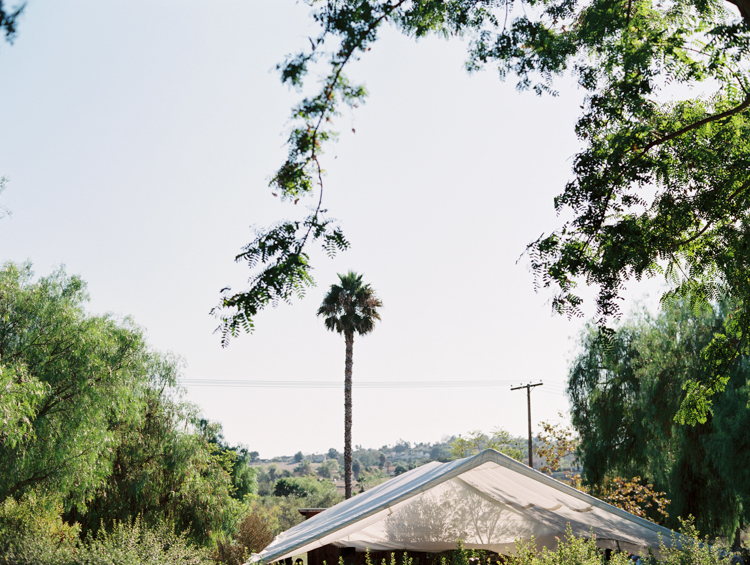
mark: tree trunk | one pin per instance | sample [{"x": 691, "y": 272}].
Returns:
[{"x": 348, "y": 415}]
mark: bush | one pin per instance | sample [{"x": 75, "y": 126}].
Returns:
[
  {"x": 137, "y": 545},
  {"x": 254, "y": 535},
  {"x": 693, "y": 550},
  {"x": 33, "y": 533}
]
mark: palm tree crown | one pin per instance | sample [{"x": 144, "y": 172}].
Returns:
[{"x": 350, "y": 307}]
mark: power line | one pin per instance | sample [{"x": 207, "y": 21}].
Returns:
[{"x": 340, "y": 384}]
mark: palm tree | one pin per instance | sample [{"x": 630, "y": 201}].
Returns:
[{"x": 349, "y": 307}]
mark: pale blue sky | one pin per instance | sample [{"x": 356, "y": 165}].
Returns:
[{"x": 139, "y": 136}]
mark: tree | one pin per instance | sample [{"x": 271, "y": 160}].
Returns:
[
  {"x": 18, "y": 404},
  {"x": 476, "y": 441},
  {"x": 661, "y": 185},
  {"x": 328, "y": 469},
  {"x": 273, "y": 471},
  {"x": 237, "y": 458},
  {"x": 402, "y": 446},
  {"x": 76, "y": 381},
  {"x": 625, "y": 393},
  {"x": 165, "y": 475},
  {"x": 96, "y": 423},
  {"x": 348, "y": 308},
  {"x": 298, "y": 457},
  {"x": 304, "y": 468},
  {"x": 305, "y": 487}
]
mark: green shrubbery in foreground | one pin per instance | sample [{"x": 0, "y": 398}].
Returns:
[
  {"x": 32, "y": 532},
  {"x": 582, "y": 551}
]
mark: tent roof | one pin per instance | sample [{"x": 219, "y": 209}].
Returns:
[{"x": 488, "y": 500}]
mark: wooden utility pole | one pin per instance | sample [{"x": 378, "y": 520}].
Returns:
[{"x": 528, "y": 388}]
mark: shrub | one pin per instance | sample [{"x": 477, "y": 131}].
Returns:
[
  {"x": 254, "y": 535},
  {"x": 137, "y": 544},
  {"x": 692, "y": 550},
  {"x": 32, "y": 532}
]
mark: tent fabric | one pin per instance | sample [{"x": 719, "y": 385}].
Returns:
[{"x": 489, "y": 501}]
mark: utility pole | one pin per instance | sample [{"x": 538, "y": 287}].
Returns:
[{"x": 528, "y": 388}]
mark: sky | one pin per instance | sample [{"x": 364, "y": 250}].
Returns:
[{"x": 139, "y": 137}]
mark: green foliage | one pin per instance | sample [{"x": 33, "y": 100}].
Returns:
[
  {"x": 32, "y": 533},
  {"x": 307, "y": 487},
  {"x": 477, "y": 441},
  {"x": 136, "y": 544},
  {"x": 281, "y": 512},
  {"x": 625, "y": 392},
  {"x": 692, "y": 549},
  {"x": 328, "y": 469},
  {"x": 304, "y": 468},
  {"x": 237, "y": 458},
  {"x": 94, "y": 421},
  {"x": 368, "y": 480},
  {"x": 19, "y": 401},
  {"x": 351, "y": 306},
  {"x": 165, "y": 475},
  {"x": 76, "y": 380},
  {"x": 253, "y": 536},
  {"x": 571, "y": 550}
]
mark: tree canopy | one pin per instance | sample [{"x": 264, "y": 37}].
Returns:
[
  {"x": 76, "y": 380},
  {"x": 660, "y": 186},
  {"x": 625, "y": 393},
  {"x": 91, "y": 419}
]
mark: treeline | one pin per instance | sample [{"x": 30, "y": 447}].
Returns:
[
  {"x": 371, "y": 464},
  {"x": 100, "y": 453},
  {"x": 626, "y": 391}
]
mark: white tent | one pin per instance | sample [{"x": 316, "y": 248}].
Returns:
[{"x": 488, "y": 500}]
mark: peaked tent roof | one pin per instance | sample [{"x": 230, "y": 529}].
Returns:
[{"x": 488, "y": 500}]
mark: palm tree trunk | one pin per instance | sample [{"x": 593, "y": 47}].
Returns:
[{"x": 348, "y": 415}]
